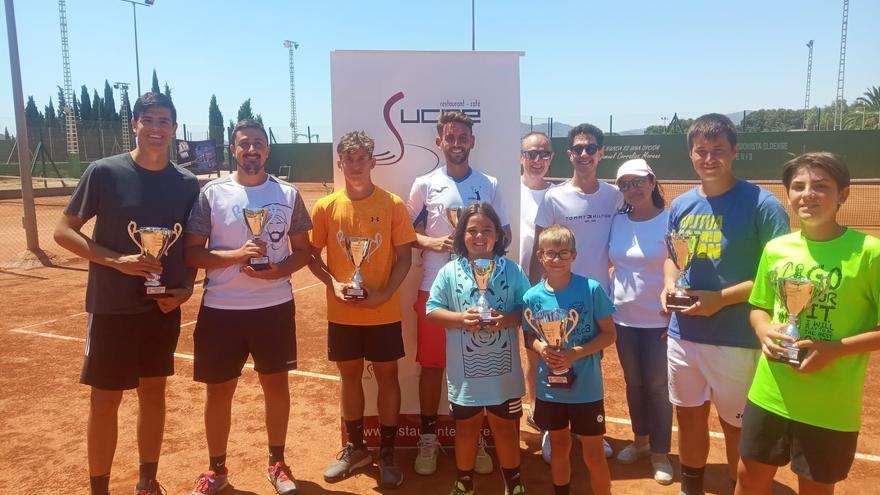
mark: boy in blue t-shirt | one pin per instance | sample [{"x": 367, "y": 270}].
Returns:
[{"x": 580, "y": 404}]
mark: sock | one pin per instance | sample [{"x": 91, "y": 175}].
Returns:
[
  {"x": 217, "y": 464},
  {"x": 562, "y": 489},
  {"x": 429, "y": 425},
  {"x": 276, "y": 454},
  {"x": 355, "y": 430},
  {"x": 466, "y": 478},
  {"x": 100, "y": 485},
  {"x": 511, "y": 477},
  {"x": 692, "y": 480},
  {"x": 388, "y": 434},
  {"x": 148, "y": 472}
]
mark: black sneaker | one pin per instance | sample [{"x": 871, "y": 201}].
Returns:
[{"x": 390, "y": 475}]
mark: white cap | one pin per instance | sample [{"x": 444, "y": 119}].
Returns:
[{"x": 635, "y": 167}]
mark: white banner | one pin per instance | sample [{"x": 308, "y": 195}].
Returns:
[{"x": 396, "y": 98}]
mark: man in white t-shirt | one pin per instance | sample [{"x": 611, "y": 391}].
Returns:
[
  {"x": 247, "y": 307},
  {"x": 536, "y": 153},
  {"x": 454, "y": 185},
  {"x": 587, "y": 206}
]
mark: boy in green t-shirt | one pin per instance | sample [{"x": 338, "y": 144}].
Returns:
[{"x": 809, "y": 414}]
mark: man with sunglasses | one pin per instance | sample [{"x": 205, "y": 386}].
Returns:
[
  {"x": 536, "y": 153},
  {"x": 587, "y": 206}
]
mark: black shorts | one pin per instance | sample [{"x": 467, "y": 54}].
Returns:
[
  {"x": 223, "y": 338},
  {"x": 586, "y": 419},
  {"x": 120, "y": 349},
  {"x": 815, "y": 453},
  {"x": 376, "y": 343},
  {"x": 509, "y": 409}
]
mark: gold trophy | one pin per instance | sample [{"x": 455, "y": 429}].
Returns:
[
  {"x": 255, "y": 220},
  {"x": 452, "y": 216},
  {"x": 155, "y": 241},
  {"x": 553, "y": 326},
  {"x": 482, "y": 270},
  {"x": 682, "y": 248},
  {"x": 358, "y": 250},
  {"x": 796, "y": 294}
]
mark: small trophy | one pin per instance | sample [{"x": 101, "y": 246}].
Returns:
[
  {"x": 155, "y": 241},
  {"x": 483, "y": 270},
  {"x": 553, "y": 327},
  {"x": 358, "y": 250},
  {"x": 452, "y": 216},
  {"x": 682, "y": 248},
  {"x": 796, "y": 294},
  {"x": 255, "y": 220}
]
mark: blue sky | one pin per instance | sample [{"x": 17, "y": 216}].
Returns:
[{"x": 637, "y": 60}]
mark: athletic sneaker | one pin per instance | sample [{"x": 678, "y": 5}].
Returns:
[
  {"x": 389, "y": 472},
  {"x": 662, "y": 468},
  {"x": 458, "y": 489},
  {"x": 632, "y": 453},
  {"x": 609, "y": 452},
  {"x": 518, "y": 489},
  {"x": 426, "y": 460},
  {"x": 530, "y": 420},
  {"x": 282, "y": 479},
  {"x": 545, "y": 447},
  {"x": 347, "y": 460},
  {"x": 154, "y": 489},
  {"x": 210, "y": 483},
  {"x": 483, "y": 461}
]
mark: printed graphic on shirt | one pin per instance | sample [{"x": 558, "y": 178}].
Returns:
[{"x": 708, "y": 227}]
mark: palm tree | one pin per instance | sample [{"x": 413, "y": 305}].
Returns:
[{"x": 871, "y": 98}]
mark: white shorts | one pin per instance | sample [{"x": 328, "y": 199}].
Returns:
[{"x": 705, "y": 372}]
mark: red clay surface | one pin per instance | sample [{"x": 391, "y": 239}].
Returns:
[{"x": 44, "y": 409}]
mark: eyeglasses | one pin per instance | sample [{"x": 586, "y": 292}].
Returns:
[
  {"x": 535, "y": 154},
  {"x": 591, "y": 149},
  {"x": 637, "y": 183},
  {"x": 549, "y": 254}
]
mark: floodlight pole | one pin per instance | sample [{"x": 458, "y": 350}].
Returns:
[
  {"x": 24, "y": 152},
  {"x": 137, "y": 61},
  {"x": 473, "y": 28}
]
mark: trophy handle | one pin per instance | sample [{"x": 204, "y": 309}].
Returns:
[
  {"x": 340, "y": 239},
  {"x": 176, "y": 231},
  {"x": 132, "y": 228},
  {"x": 529, "y": 317},
  {"x": 823, "y": 285},
  {"x": 377, "y": 242},
  {"x": 573, "y": 317}
]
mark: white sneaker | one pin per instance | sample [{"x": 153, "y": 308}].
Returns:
[
  {"x": 609, "y": 452},
  {"x": 545, "y": 447},
  {"x": 662, "y": 469},
  {"x": 632, "y": 453},
  {"x": 426, "y": 460},
  {"x": 483, "y": 461}
]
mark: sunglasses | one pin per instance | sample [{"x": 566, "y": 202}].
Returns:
[
  {"x": 591, "y": 149},
  {"x": 637, "y": 183},
  {"x": 535, "y": 154},
  {"x": 549, "y": 254}
]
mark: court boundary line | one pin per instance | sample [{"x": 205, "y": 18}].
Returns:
[{"x": 322, "y": 376}]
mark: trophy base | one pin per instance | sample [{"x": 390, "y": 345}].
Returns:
[
  {"x": 259, "y": 264},
  {"x": 680, "y": 301},
  {"x": 485, "y": 317},
  {"x": 792, "y": 356},
  {"x": 560, "y": 380},
  {"x": 156, "y": 292},
  {"x": 354, "y": 293}
]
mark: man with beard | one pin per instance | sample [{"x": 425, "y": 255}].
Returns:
[
  {"x": 131, "y": 338},
  {"x": 454, "y": 185},
  {"x": 246, "y": 310}
]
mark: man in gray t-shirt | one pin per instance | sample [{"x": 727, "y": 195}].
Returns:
[{"x": 131, "y": 337}]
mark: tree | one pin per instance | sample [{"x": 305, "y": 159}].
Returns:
[
  {"x": 871, "y": 98},
  {"x": 215, "y": 122},
  {"x": 109, "y": 102},
  {"x": 127, "y": 105},
  {"x": 97, "y": 106},
  {"x": 259, "y": 119},
  {"x": 167, "y": 90},
  {"x": 85, "y": 105},
  {"x": 50, "y": 115},
  {"x": 33, "y": 116},
  {"x": 6, "y": 134},
  {"x": 62, "y": 104},
  {"x": 244, "y": 111},
  {"x": 76, "y": 108},
  {"x": 155, "y": 88}
]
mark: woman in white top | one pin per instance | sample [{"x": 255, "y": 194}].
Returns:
[{"x": 637, "y": 250}]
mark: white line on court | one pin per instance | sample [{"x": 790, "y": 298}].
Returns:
[
  {"x": 294, "y": 291},
  {"x": 322, "y": 376},
  {"x": 49, "y": 321}
]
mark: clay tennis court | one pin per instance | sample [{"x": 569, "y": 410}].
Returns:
[{"x": 43, "y": 408}]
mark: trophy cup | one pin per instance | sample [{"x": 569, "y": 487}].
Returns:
[
  {"x": 682, "y": 248},
  {"x": 483, "y": 270},
  {"x": 796, "y": 294},
  {"x": 452, "y": 216},
  {"x": 155, "y": 241},
  {"x": 255, "y": 220},
  {"x": 358, "y": 250},
  {"x": 553, "y": 328}
]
